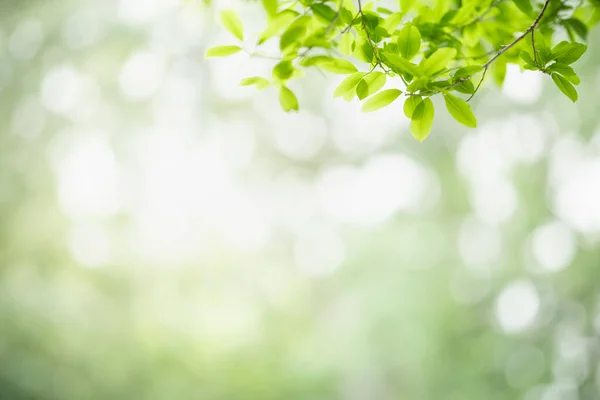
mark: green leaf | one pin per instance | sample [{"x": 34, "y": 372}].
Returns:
[
  {"x": 380, "y": 100},
  {"x": 525, "y": 56},
  {"x": 370, "y": 84},
  {"x": 258, "y": 81},
  {"x": 401, "y": 64},
  {"x": 232, "y": 23},
  {"x": 346, "y": 44},
  {"x": 277, "y": 24},
  {"x": 292, "y": 36},
  {"x": 270, "y": 7},
  {"x": 406, "y": 5},
  {"x": 288, "y": 99},
  {"x": 568, "y": 53},
  {"x": 222, "y": 51},
  {"x": 467, "y": 71},
  {"x": 466, "y": 87},
  {"x": 438, "y": 60},
  {"x": 391, "y": 23},
  {"x": 324, "y": 13},
  {"x": 283, "y": 71},
  {"x": 460, "y": 110},
  {"x": 579, "y": 27},
  {"x": 565, "y": 71},
  {"x": 565, "y": 87},
  {"x": 421, "y": 120},
  {"x": 525, "y": 6},
  {"x": 338, "y": 66},
  {"x": 348, "y": 84},
  {"x": 410, "y": 104},
  {"x": 409, "y": 41}
]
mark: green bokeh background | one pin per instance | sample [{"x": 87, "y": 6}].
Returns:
[{"x": 470, "y": 274}]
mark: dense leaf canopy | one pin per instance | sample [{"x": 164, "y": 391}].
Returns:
[{"x": 425, "y": 48}]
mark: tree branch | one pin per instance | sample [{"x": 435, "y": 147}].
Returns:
[{"x": 511, "y": 44}]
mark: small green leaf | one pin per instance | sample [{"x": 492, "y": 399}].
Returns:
[
  {"x": 438, "y": 60},
  {"x": 391, "y": 23},
  {"x": 232, "y": 23},
  {"x": 346, "y": 44},
  {"x": 324, "y": 13},
  {"x": 348, "y": 84},
  {"x": 277, "y": 24},
  {"x": 338, "y": 66},
  {"x": 579, "y": 27},
  {"x": 283, "y": 71},
  {"x": 380, "y": 100},
  {"x": 370, "y": 84},
  {"x": 460, "y": 110},
  {"x": 402, "y": 64},
  {"x": 465, "y": 87},
  {"x": 568, "y": 53},
  {"x": 565, "y": 71},
  {"x": 422, "y": 120},
  {"x": 409, "y": 41},
  {"x": 270, "y": 7},
  {"x": 565, "y": 87},
  {"x": 288, "y": 100},
  {"x": 222, "y": 51},
  {"x": 292, "y": 36},
  {"x": 467, "y": 71},
  {"x": 525, "y": 6},
  {"x": 410, "y": 104},
  {"x": 525, "y": 56},
  {"x": 258, "y": 81}
]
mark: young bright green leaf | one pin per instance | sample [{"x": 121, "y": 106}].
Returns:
[
  {"x": 568, "y": 53},
  {"x": 283, "y": 71},
  {"x": 270, "y": 7},
  {"x": 338, "y": 66},
  {"x": 370, "y": 84},
  {"x": 460, "y": 110},
  {"x": 402, "y": 64},
  {"x": 292, "y": 36},
  {"x": 565, "y": 71},
  {"x": 525, "y": 56},
  {"x": 380, "y": 100},
  {"x": 391, "y": 23},
  {"x": 258, "y": 81},
  {"x": 421, "y": 120},
  {"x": 465, "y": 87},
  {"x": 222, "y": 51},
  {"x": 277, "y": 24},
  {"x": 410, "y": 104},
  {"x": 525, "y": 6},
  {"x": 348, "y": 84},
  {"x": 565, "y": 87},
  {"x": 232, "y": 23},
  {"x": 406, "y": 5},
  {"x": 324, "y": 13},
  {"x": 409, "y": 41},
  {"x": 346, "y": 44},
  {"x": 438, "y": 60},
  {"x": 467, "y": 71},
  {"x": 288, "y": 99}
]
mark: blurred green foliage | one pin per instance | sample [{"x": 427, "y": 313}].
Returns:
[{"x": 469, "y": 271}]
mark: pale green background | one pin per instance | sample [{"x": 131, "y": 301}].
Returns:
[{"x": 166, "y": 234}]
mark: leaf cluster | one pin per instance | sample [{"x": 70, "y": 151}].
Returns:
[{"x": 420, "y": 48}]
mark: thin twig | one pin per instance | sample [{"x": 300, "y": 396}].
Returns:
[{"x": 511, "y": 44}]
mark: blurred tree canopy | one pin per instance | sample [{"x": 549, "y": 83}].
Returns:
[{"x": 166, "y": 234}]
